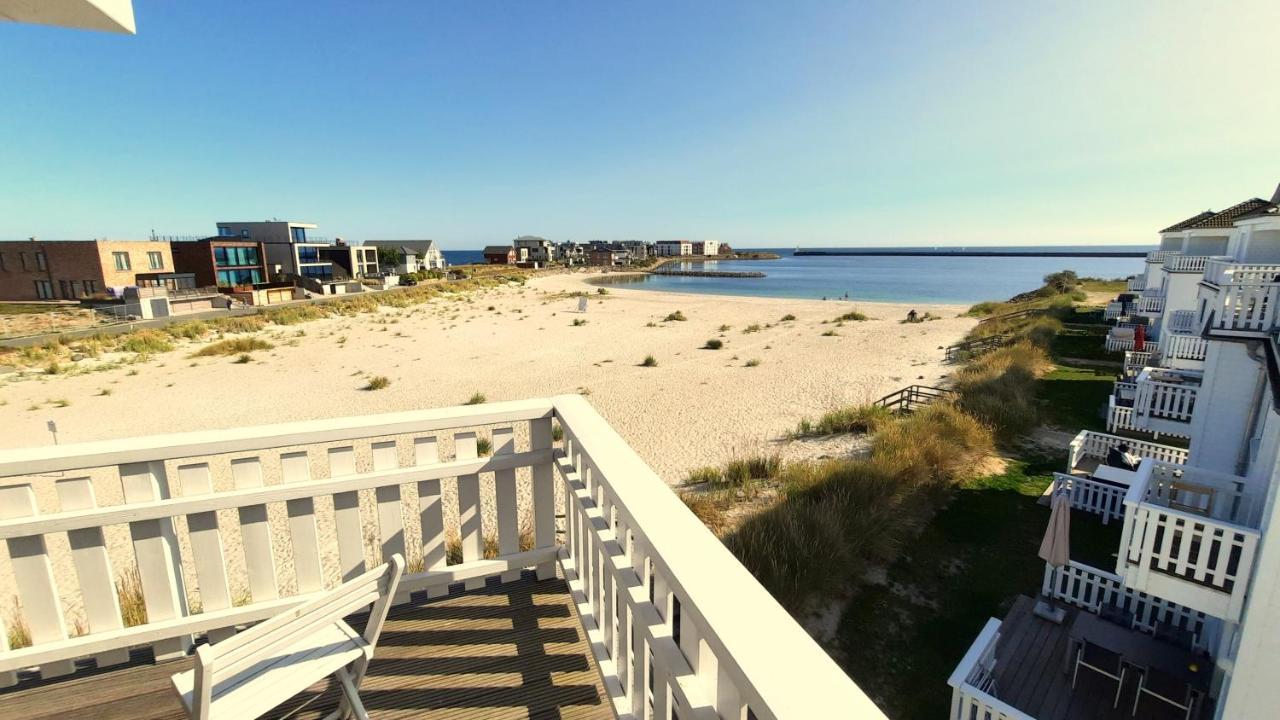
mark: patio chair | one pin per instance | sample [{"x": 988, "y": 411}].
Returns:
[
  {"x": 253, "y": 672},
  {"x": 1102, "y": 661},
  {"x": 1174, "y": 635},
  {"x": 1165, "y": 688},
  {"x": 1113, "y": 613}
]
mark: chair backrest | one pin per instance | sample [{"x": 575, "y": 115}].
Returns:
[{"x": 236, "y": 654}]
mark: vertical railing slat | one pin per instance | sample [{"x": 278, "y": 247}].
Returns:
[
  {"x": 295, "y": 467},
  {"x": 33, "y": 574},
  {"x": 155, "y": 547},
  {"x": 431, "y": 513},
  {"x": 390, "y": 517},
  {"x": 543, "y": 494},
  {"x": 93, "y": 568},
  {"x": 206, "y": 547},
  {"x": 470, "y": 528},
  {"x": 255, "y": 533},
  {"x": 504, "y": 492},
  {"x": 346, "y": 515}
]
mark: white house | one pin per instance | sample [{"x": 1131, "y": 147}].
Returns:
[
  {"x": 706, "y": 247},
  {"x": 530, "y": 248},
  {"x": 1198, "y": 562},
  {"x": 673, "y": 248},
  {"x": 412, "y": 255}
]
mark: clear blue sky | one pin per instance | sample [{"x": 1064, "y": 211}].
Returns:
[{"x": 758, "y": 123}]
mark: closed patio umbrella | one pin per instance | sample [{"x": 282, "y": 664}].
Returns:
[
  {"x": 1139, "y": 338},
  {"x": 1055, "y": 549}
]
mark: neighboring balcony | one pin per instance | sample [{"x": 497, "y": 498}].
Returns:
[
  {"x": 1159, "y": 256},
  {"x": 1098, "y": 488},
  {"x": 1183, "y": 352},
  {"x": 570, "y": 550},
  {"x": 1190, "y": 536},
  {"x": 1164, "y": 400},
  {"x": 1188, "y": 263},
  {"x": 1245, "y": 308},
  {"x": 1224, "y": 271},
  {"x": 1150, "y": 304},
  {"x": 1137, "y": 283},
  {"x": 1113, "y": 310},
  {"x": 1121, "y": 338}
]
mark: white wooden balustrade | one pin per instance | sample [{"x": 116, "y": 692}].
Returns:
[
  {"x": 1089, "y": 443},
  {"x": 1151, "y": 305},
  {"x": 673, "y": 619},
  {"x": 1190, "y": 536},
  {"x": 1185, "y": 347},
  {"x": 1164, "y": 400},
  {"x": 1187, "y": 263},
  {"x": 1159, "y": 256},
  {"x": 1113, "y": 310},
  {"x": 1221, "y": 271},
  {"x": 1117, "y": 342},
  {"x": 1181, "y": 321},
  {"x": 973, "y": 682},
  {"x": 1136, "y": 283},
  {"x": 1102, "y": 498},
  {"x": 1136, "y": 360},
  {"x": 1248, "y": 307},
  {"x": 1119, "y": 417},
  {"x": 1091, "y": 589}
]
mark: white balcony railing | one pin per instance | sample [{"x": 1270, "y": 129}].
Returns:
[
  {"x": 1159, "y": 256},
  {"x": 633, "y": 555},
  {"x": 1136, "y": 360},
  {"x": 1164, "y": 399},
  {"x": 1190, "y": 536},
  {"x": 1247, "y": 307},
  {"x": 1120, "y": 417},
  {"x": 973, "y": 682},
  {"x": 1121, "y": 339},
  {"x": 1186, "y": 263},
  {"x": 1151, "y": 305},
  {"x": 1091, "y": 444},
  {"x": 1091, "y": 589},
  {"x": 1113, "y": 310},
  {"x": 1185, "y": 347},
  {"x": 1181, "y": 321},
  {"x": 1224, "y": 271},
  {"x": 1102, "y": 498},
  {"x": 1136, "y": 283}
]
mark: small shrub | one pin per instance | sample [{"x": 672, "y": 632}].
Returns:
[
  {"x": 602, "y": 291},
  {"x": 579, "y": 322},
  {"x": 676, "y": 316},
  {"x": 724, "y": 328},
  {"x": 557, "y": 433},
  {"x": 649, "y": 361},
  {"x": 858, "y": 418},
  {"x": 377, "y": 383},
  {"x": 706, "y": 510},
  {"x": 830, "y": 333},
  {"x": 239, "y": 323},
  {"x": 707, "y": 474},
  {"x": 713, "y": 344},
  {"x": 104, "y": 392},
  {"x": 233, "y": 346},
  {"x": 852, "y": 316},
  {"x": 484, "y": 446},
  {"x": 189, "y": 330},
  {"x": 741, "y": 471},
  {"x": 752, "y": 328},
  {"x": 477, "y": 398},
  {"x": 244, "y": 359},
  {"x": 146, "y": 342},
  {"x": 753, "y": 362}
]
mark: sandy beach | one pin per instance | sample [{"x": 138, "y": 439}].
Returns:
[{"x": 696, "y": 407}]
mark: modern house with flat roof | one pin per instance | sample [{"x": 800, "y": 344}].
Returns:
[
  {"x": 289, "y": 249},
  {"x": 673, "y": 248},
  {"x": 222, "y": 261},
  {"x": 75, "y": 269},
  {"x": 534, "y": 249}
]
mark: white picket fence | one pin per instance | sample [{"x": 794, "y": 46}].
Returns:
[
  {"x": 673, "y": 620},
  {"x": 1101, "y": 498},
  {"x": 973, "y": 682},
  {"x": 1120, "y": 417},
  {"x": 1089, "y": 443}
]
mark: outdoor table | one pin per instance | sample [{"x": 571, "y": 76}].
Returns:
[{"x": 1140, "y": 650}]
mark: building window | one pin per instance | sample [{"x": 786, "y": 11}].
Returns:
[
  {"x": 122, "y": 260},
  {"x": 230, "y": 278},
  {"x": 244, "y": 233},
  {"x": 44, "y": 289},
  {"x": 308, "y": 254},
  {"x": 66, "y": 292},
  {"x": 235, "y": 256},
  {"x": 225, "y": 232},
  {"x": 22, "y": 257},
  {"x": 299, "y": 234},
  {"x": 320, "y": 272},
  {"x": 155, "y": 260},
  {"x": 40, "y": 262},
  {"x": 90, "y": 287}
]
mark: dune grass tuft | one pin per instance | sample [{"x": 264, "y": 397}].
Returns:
[
  {"x": 233, "y": 346},
  {"x": 377, "y": 382}
]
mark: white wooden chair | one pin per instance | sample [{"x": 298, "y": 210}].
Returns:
[{"x": 247, "y": 675}]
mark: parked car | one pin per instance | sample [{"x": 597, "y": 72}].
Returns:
[{"x": 407, "y": 281}]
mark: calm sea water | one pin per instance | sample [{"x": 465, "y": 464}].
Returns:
[{"x": 887, "y": 278}]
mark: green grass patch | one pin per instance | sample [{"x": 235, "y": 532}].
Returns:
[
  {"x": 146, "y": 342},
  {"x": 971, "y": 560},
  {"x": 1074, "y": 398}
]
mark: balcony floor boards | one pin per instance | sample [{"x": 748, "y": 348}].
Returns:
[
  {"x": 507, "y": 651},
  {"x": 1029, "y": 675}
]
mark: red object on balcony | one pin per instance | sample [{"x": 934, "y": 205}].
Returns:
[{"x": 1139, "y": 338}]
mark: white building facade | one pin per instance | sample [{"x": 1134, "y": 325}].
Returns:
[{"x": 673, "y": 248}]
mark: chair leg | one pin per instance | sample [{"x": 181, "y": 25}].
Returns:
[
  {"x": 1120, "y": 687},
  {"x": 352, "y": 697},
  {"x": 1137, "y": 695},
  {"x": 1076, "y": 673}
]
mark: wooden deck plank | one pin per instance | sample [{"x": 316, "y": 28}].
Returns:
[{"x": 506, "y": 651}]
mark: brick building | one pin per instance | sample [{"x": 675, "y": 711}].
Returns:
[{"x": 73, "y": 269}]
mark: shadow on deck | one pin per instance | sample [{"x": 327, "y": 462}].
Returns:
[{"x": 507, "y": 651}]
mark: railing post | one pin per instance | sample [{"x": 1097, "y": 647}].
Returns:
[
  {"x": 255, "y": 534},
  {"x": 155, "y": 546},
  {"x": 93, "y": 568},
  {"x": 469, "y": 518},
  {"x": 206, "y": 547},
  {"x": 543, "y": 494},
  {"x": 506, "y": 510},
  {"x": 33, "y": 572}
]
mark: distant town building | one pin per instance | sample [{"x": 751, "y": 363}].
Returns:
[
  {"x": 531, "y": 248},
  {"x": 222, "y": 261},
  {"x": 411, "y": 255},
  {"x": 673, "y": 248},
  {"x": 289, "y": 248},
  {"x": 637, "y": 249},
  {"x": 571, "y": 253},
  {"x": 500, "y": 255},
  {"x": 706, "y": 247},
  {"x": 607, "y": 256},
  {"x": 351, "y": 261},
  {"x": 74, "y": 269}
]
